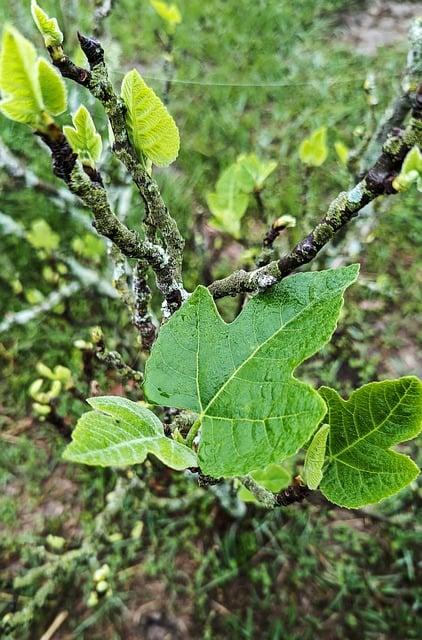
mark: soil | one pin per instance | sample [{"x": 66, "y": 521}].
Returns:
[{"x": 380, "y": 24}]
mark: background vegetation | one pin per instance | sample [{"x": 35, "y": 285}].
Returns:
[{"x": 186, "y": 562}]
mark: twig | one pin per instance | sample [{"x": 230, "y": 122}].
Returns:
[
  {"x": 157, "y": 217},
  {"x": 102, "y": 11},
  {"x": 120, "y": 276},
  {"x": 277, "y": 227},
  {"x": 378, "y": 181},
  {"x": 402, "y": 104},
  {"x": 112, "y": 359},
  {"x": 168, "y": 65},
  {"x": 94, "y": 196},
  {"x": 297, "y": 492},
  {"x": 23, "y": 176},
  {"x": 51, "y": 301},
  {"x": 55, "y": 625},
  {"x": 259, "y": 203},
  {"x": 141, "y": 315}
]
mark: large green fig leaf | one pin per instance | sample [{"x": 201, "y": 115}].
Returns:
[
  {"x": 19, "y": 78},
  {"x": 151, "y": 128},
  {"x": 119, "y": 433},
  {"x": 238, "y": 377},
  {"x": 360, "y": 467},
  {"x": 83, "y": 137}
]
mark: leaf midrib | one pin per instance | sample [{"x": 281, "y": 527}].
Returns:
[
  {"x": 369, "y": 433},
  {"x": 119, "y": 445},
  {"x": 203, "y": 413}
]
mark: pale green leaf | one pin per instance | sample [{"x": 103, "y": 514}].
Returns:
[
  {"x": 170, "y": 13},
  {"x": 19, "y": 79},
  {"x": 151, "y": 128},
  {"x": 34, "y": 296},
  {"x": 41, "y": 236},
  {"x": 238, "y": 377},
  {"x": 227, "y": 211},
  {"x": 413, "y": 161},
  {"x": 233, "y": 180},
  {"x": 48, "y": 27},
  {"x": 342, "y": 152},
  {"x": 256, "y": 169},
  {"x": 273, "y": 478},
  {"x": 53, "y": 88},
  {"x": 313, "y": 150},
  {"x": 315, "y": 456},
  {"x": 83, "y": 137},
  {"x": 411, "y": 171},
  {"x": 360, "y": 466},
  {"x": 119, "y": 433},
  {"x": 230, "y": 200}
]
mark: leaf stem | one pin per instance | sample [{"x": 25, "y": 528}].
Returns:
[{"x": 192, "y": 433}]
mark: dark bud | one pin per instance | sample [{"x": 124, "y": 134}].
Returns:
[
  {"x": 294, "y": 493},
  {"x": 93, "y": 174},
  {"x": 375, "y": 180},
  {"x": 92, "y": 49}
]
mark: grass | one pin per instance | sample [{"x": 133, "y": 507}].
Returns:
[{"x": 184, "y": 561}]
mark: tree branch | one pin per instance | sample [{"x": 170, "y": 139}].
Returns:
[
  {"x": 157, "y": 216},
  {"x": 113, "y": 359},
  {"x": 296, "y": 492},
  {"x": 141, "y": 316},
  {"x": 94, "y": 196},
  {"x": 402, "y": 104},
  {"x": 378, "y": 181},
  {"x": 103, "y": 8}
]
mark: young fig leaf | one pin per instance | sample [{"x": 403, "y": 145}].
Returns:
[
  {"x": 229, "y": 202},
  {"x": 32, "y": 88},
  {"x": 314, "y": 151},
  {"x": 238, "y": 377},
  {"x": 342, "y": 152},
  {"x": 256, "y": 170},
  {"x": 315, "y": 456},
  {"x": 151, "y": 128},
  {"x": 53, "y": 88},
  {"x": 360, "y": 467},
  {"x": 48, "y": 27},
  {"x": 42, "y": 236},
  {"x": 411, "y": 171},
  {"x": 170, "y": 13},
  {"x": 19, "y": 79},
  {"x": 119, "y": 433},
  {"x": 273, "y": 478},
  {"x": 83, "y": 137}
]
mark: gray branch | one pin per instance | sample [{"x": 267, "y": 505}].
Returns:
[{"x": 347, "y": 205}]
